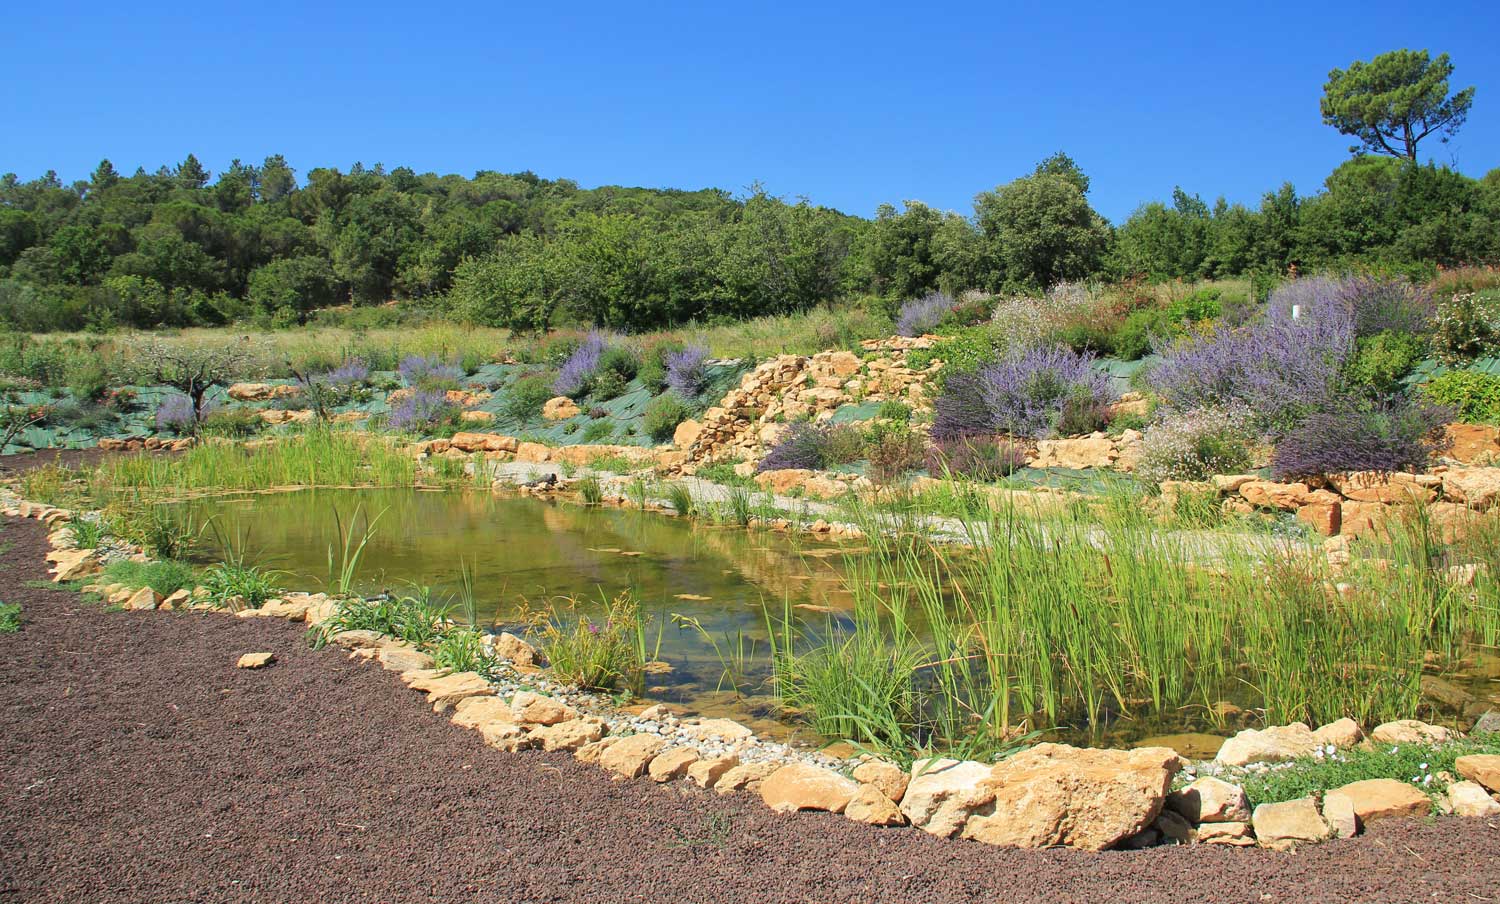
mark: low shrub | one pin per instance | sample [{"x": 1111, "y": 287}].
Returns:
[
  {"x": 653, "y": 369},
  {"x": 527, "y": 396},
  {"x": 813, "y": 446},
  {"x": 1043, "y": 391},
  {"x": 662, "y": 415},
  {"x": 895, "y": 453},
  {"x": 234, "y": 423},
  {"x": 960, "y": 409},
  {"x": 425, "y": 411},
  {"x": 410, "y": 617},
  {"x": 1197, "y": 444},
  {"x": 1474, "y": 397},
  {"x": 1381, "y": 361},
  {"x": 919, "y": 316},
  {"x": 975, "y": 457},
  {"x": 428, "y": 373},
  {"x": 608, "y": 384},
  {"x": 962, "y": 353},
  {"x": 1467, "y": 326},
  {"x": 10, "y": 618},
  {"x": 687, "y": 371},
  {"x": 576, "y": 376},
  {"x": 91, "y": 380},
  {"x": 175, "y": 414},
  {"x": 597, "y": 430},
  {"x": 893, "y": 410},
  {"x": 1147, "y": 328},
  {"x": 1417, "y": 764},
  {"x": 1399, "y": 436}
]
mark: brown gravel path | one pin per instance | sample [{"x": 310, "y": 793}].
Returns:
[{"x": 137, "y": 764}]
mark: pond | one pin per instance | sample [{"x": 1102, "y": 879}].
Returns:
[{"x": 524, "y": 551}]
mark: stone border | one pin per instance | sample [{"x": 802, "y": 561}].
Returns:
[{"x": 1048, "y": 795}]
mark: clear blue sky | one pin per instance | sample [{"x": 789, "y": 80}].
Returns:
[{"x": 849, "y": 104}]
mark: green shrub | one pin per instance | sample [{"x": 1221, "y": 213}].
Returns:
[
  {"x": 233, "y": 423},
  {"x": 653, "y": 369},
  {"x": 1468, "y": 326},
  {"x": 960, "y": 354},
  {"x": 608, "y": 384},
  {"x": 165, "y": 576},
  {"x": 527, "y": 396},
  {"x": 1474, "y": 396},
  {"x": 620, "y": 360},
  {"x": 894, "y": 410},
  {"x": 10, "y": 618},
  {"x": 662, "y": 416},
  {"x": 597, "y": 430},
  {"x": 1381, "y": 361},
  {"x": 1417, "y": 764},
  {"x": 90, "y": 380},
  {"x": 1134, "y": 338}
]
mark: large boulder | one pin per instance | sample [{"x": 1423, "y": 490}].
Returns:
[
  {"x": 1210, "y": 799},
  {"x": 559, "y": 408},
  {"x": 800, "y": 786},
  {"x": 1285, "y": 825},
  {"x": 889, "y": 778},
  {"x": 1470, "y": 799},
  {"x": 569, "y": 735},
  {"x": 531, "y": 708},
  {"x": 782, "y": 480},
  {"x": 1268, "y": 745},
  {"x": 686, "y": 433},
  {"x": 1483, "y": 768},
  {"x": 1056, "y": 794},
  {"x": 1381, "y": 798},
  {"x": 1094, "y": 451},
  {"x": 943, "y": 793},
  {"x": 1410, "y": 731},
  {"x": 629, "y": 757},
  {"x": 1477, "y": 488}
]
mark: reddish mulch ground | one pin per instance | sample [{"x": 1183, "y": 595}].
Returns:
[{"x": 137, "y": 764}]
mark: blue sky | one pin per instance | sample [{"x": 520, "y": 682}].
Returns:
[{"x": 848, "y": 104}]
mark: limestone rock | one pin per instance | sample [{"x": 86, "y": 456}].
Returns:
[
  {"x": 686, "y": 433},
  {"x": 1470, "y": 799},
  {"x": 1473, "y": 443},
  {"x": 630, "y": 756},
  {"x": 672, "y": 764},
  {"x": 872, "y": 807},
  {"x": 517, "y": 651},
  {"x": 1094, "y": 451},
  {"x": 1285, "y": 825},
  {"x": 177, "y": 599},
  {"x": 1343, "y": 734},
  {"x": 445, "y": 691},
  {"x": 1269, "y": 494},
  {"x": 1383, "y": 798},
  {"x": 255, "y": 660},
  {"x": 1477, "y": 488},
  {"x": 1410, "y": 731},
  {"x": 1085, "y": 798},
  {"x": 782, "y": 480},
  {"x": 1268, "y": 745},
  {"x": 591, "y": 752},
  {"x": 1338, "y": 812},
  {"x": 537, "y": 709},
  {"x": 1483, "y": 768},
  {"x": 799, "y": 786},
  {"x": 476, "y": 712},
  {"x": 143, "y": 600},
  {"x": 569, "y": 735},
  {"x": 717, "y": 730},
  {"x": 74, "y": 564},
  {"x": 559, "y": 408},
  {"x": 402, "y": 658},
  {"x": 506, "y": 736},
  {"x": 744, "y": 777},
  {"x": 1173, "y": 828},
  {"x": 1390, "y": 488},
  {"x": 1210, "y": 799},
  {"x": 943, "y": 793},
  {"x": 1234, "y": 833},
  {"x": 706, "y": 773},
  {"x": 358, "y": 638},
  {"x": 889, "y": 778}
]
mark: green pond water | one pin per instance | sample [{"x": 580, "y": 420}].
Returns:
[{"x": 524, "y": 551}]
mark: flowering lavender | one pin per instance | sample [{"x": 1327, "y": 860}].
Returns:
[
  {"x": 422, "y": 410},
  {"x": 353, "y": 372},
  {"x": 1280, "y": 367},
  {"x": 687, "y": 371},
  {"x": 804, "y": 445},
  {"x": 428, "y": 372},
  {"x": 1400, "y": 436},
  {"x": 1030, "y": 393},
  {"x": 922, "y": 315},
  {"x": 577, "y": 373},
  {"x": 175, "y": 413},
  {"x": 1371, "y": 305},
  {"x": 960, "y": 410},
  {"x": 1197, "y": 444}
]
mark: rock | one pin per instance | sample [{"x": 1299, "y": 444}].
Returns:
[
  {"x": 799, "y": 786},
  {"x": 533, "y": 452},
  {"x": 1057, "y": 794},
  {"x": 591, "y": 752},
  {"x": 630, "y": 756},
  {"x": 1473, "y": 443},
  {"x": 569, "y": 735},
  {"x": 260, "y": 392},
  {"x": 943, "y": 793},
  {"x": 255, "y": 660},
  {"x": 744, "y": 777},
  {"x": 1469, "y": 798},
  {"x": 537, "y": 709},
  {"x": 706, "y": 773},
  {"x": 1173, "y": 828},
  {"x": 889, "y": 778},
  {"x": 447, "y": 690},
  {"x": 872, "y": 807},
  {"x": 506, "y": 736},
  {"x": 559, "y": 408},
  {"x": 353, "y": 640},
  {"x": 782, "y": 480},
  {"x": 1285, "y": 825},
  {"x": 1234, "y": 833},
  {"x": 1343, "y": 734},
  {"x": 717, "y": 730},
  {"x": 143, "y": 600},
  {"x": 1209, "y": 799},
  {"x": 1489, "y": 723},
  {"x": 1389, "y": 488},
  {"x": 477, "y": 712},
  {"x": 73, "y": 564},
  {"x": 686, "y": 433},
  {"x": 1269, "y": 494},
  {"x": 1410, "y": 731},
  {"x": 672, "y": 764},
  {"x": 1327, "y": 518},
  {"x": 517, "y": 651},
  {"x": 1268, "y": 745},
  {"x": 177, "y": 599},
  {"x": 1095, "y": 451},
  {"x": 402, "y": 658},
  {"x": 1338, "y": 812},
  {"x": 1382, "y": 798},
  {"x": 1483, "y": 768},
  {"x": 1445, "y": 693},
  {"x": 1478, "y": 488}
]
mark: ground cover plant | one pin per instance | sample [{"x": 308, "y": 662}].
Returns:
[
  {"x": 10, "y": 618},
  {"x": 1416, "y": 764}
]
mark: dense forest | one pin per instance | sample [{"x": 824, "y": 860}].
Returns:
[{"x": 180, "y": 247}]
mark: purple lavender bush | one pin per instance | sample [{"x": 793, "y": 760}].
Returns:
[
  {"x": 175, "y": 414},
  {"x": 960, "y": 409},
  {"x": 352, "y": 373},
  {"x": 1371, "y": 305},
  {"x": 687, "y": 371},
  {"x": 1039, "y": 390},
  {"x": 804, "y": 445},
  {"x": 1398, "y": 436},
  {"x": 922, "y": 315},
  {"x": 422, "y": 411},
  {"x": 428, "y": 372},
  {"x": 577, "y": 373}
]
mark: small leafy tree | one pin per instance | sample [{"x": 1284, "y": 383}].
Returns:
[
  {"x": 1394, "y": 101},
  {"x": 193, "y": 370},
  {"x": 16, "y": 416}
]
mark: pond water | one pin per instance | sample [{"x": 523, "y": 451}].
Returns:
[{"x": 524, "y": 551}]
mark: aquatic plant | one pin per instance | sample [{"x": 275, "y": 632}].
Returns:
[
  {"x": 411, "y": 617},
  {"x": 463, "y": 650},
  {"x": 590, "y": 491},
  {"x": 601, "y": 652},
  {"x": 687, "y": 371},
  {"x": 165, "y": 576},
  {"x": 238, "y": 583},
  {"x": 919, "y": 316},
  {"x": 680, "y": 497}
]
